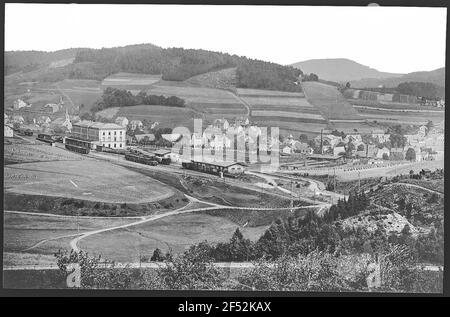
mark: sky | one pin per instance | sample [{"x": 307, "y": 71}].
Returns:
[{"x": 390, "y": 39}]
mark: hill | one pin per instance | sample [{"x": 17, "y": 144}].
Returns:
[
  {"x": 436, "y": 77},
  {"x": 173, "y": 64},
  {"x": 25, "y": 61},
  {"x": 340, "y": 69}
]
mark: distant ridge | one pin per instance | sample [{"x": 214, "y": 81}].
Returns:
[{"x": 340, "y": 69}]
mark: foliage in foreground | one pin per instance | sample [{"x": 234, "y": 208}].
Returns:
[{"x": 394, "y": 271}]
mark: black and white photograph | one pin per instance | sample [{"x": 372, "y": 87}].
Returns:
[{"x": 246, "y": 148}]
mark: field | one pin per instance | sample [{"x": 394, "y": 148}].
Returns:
[
  {"x": 401, "y": 117},
  {"x": 289, "y": 111},
  {"x": 18, "y": 152},
  {"x": 87, "y": 180},
  {"x": 174, "y": 232},
  {"x": 222, "y": 79},
  {"x": 130, "y": 81},
  {"x": 214, "y": 103},
  {"x": 166, "y": 116},
  {"x": 22, "y": 233},
  {"x": 329, "y": 101},
  {"x": 390, "y": 105}
]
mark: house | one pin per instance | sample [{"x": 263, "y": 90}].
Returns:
[
  {"x": 397, "y": 154},
  {"x": 219, "y": 141},
  {"x": 18, "y": 119},
  {"x": 53, "y": 107},
  {"x": 422, "y": 131},
  {"x": 105, "y": 134},
  {"x": 144, "y": 138},
  {"x": 9, "y": 133},
  {"x": 287, "y": 150},
  {"x": 172, "y": 137},
  {"x": 136, "y": 124},
  {"x": 382, "y": 152},
  {"x": 19, "y": 103},
  {"x": 197, "y": 140},
  {"x": 43, "y": 120},
  {"x": 338, "y": 150},
  {"x": 380, "y": 136},
  {"x": 222, "y": 124},
  {"x": 122, "y": 121}
]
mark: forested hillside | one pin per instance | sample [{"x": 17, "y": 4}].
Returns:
[
  {"x": 25, "y": 61},
  {"x": 179, "y": 64}
]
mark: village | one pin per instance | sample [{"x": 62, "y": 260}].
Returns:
[{"x": 331, "y": 148}]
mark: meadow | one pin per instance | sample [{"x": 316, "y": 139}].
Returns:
[
  {"x": 176, "y": 233},
  {"x": 87, "y": 180},
  {"x": 130, "y": 81},
  {"x": 329, "y": 101}
]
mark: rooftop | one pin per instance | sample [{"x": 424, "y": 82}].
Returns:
[
  {"x": 98, "y": 125},
  {"x": 220, "y": 163}
]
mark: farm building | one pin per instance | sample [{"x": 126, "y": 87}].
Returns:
[
  {"x": 105, "y": 134},
  {"x": 122, "y": 121},
  {"x": 8, "y": 132}
]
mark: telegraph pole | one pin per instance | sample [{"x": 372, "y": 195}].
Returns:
[{"x": 359, "y": 181}]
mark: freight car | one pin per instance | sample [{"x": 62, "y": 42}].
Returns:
[
  {"x": 45, "y": 138},
  {"x": 77, "y": 145},
  {"x": 141, "y": 158}
]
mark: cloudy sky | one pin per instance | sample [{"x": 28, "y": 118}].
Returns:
[{"x": 391, "y": 39}]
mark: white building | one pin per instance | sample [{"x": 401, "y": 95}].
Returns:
[
  {"x": 136, "y": 124},
  {"x": 382, "y": 151},
  {"x": 105, "y": 134},
  {"x": 8, "y": 132}
]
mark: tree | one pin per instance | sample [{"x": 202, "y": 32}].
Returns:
[
  {"x": 347, "y": 85},
  {"x": 410, "y": 154},
  {"x": 303, "y": 137},
  {"x": 361, "y": 147},
  {"x": 385, "y": 156},
  {"x": 157, "y": 256}
]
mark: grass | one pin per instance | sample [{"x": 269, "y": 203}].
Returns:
[
  {"x": 166, "y": 116},
  {"x": 268, "y": 93},
  {"x": 174, "y": 232},
  {"x": 22, "y": 231},
  {"x": 87, "y": 180},
  {"x": 130, "y": 81},
  {"x": 329, "y": 101},
  {"x": 26, "y": 153}
]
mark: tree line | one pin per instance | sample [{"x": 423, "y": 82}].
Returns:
[{"x": 113, "y": 97}]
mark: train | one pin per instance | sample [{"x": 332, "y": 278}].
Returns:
[
  {"x": 26, "y": 132},
  {"x": 141, "y": 158},
  {"x": 77, "y": 145},
  {"x": 44, "y": 137},
  {"x": 163, "y": 160}
]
